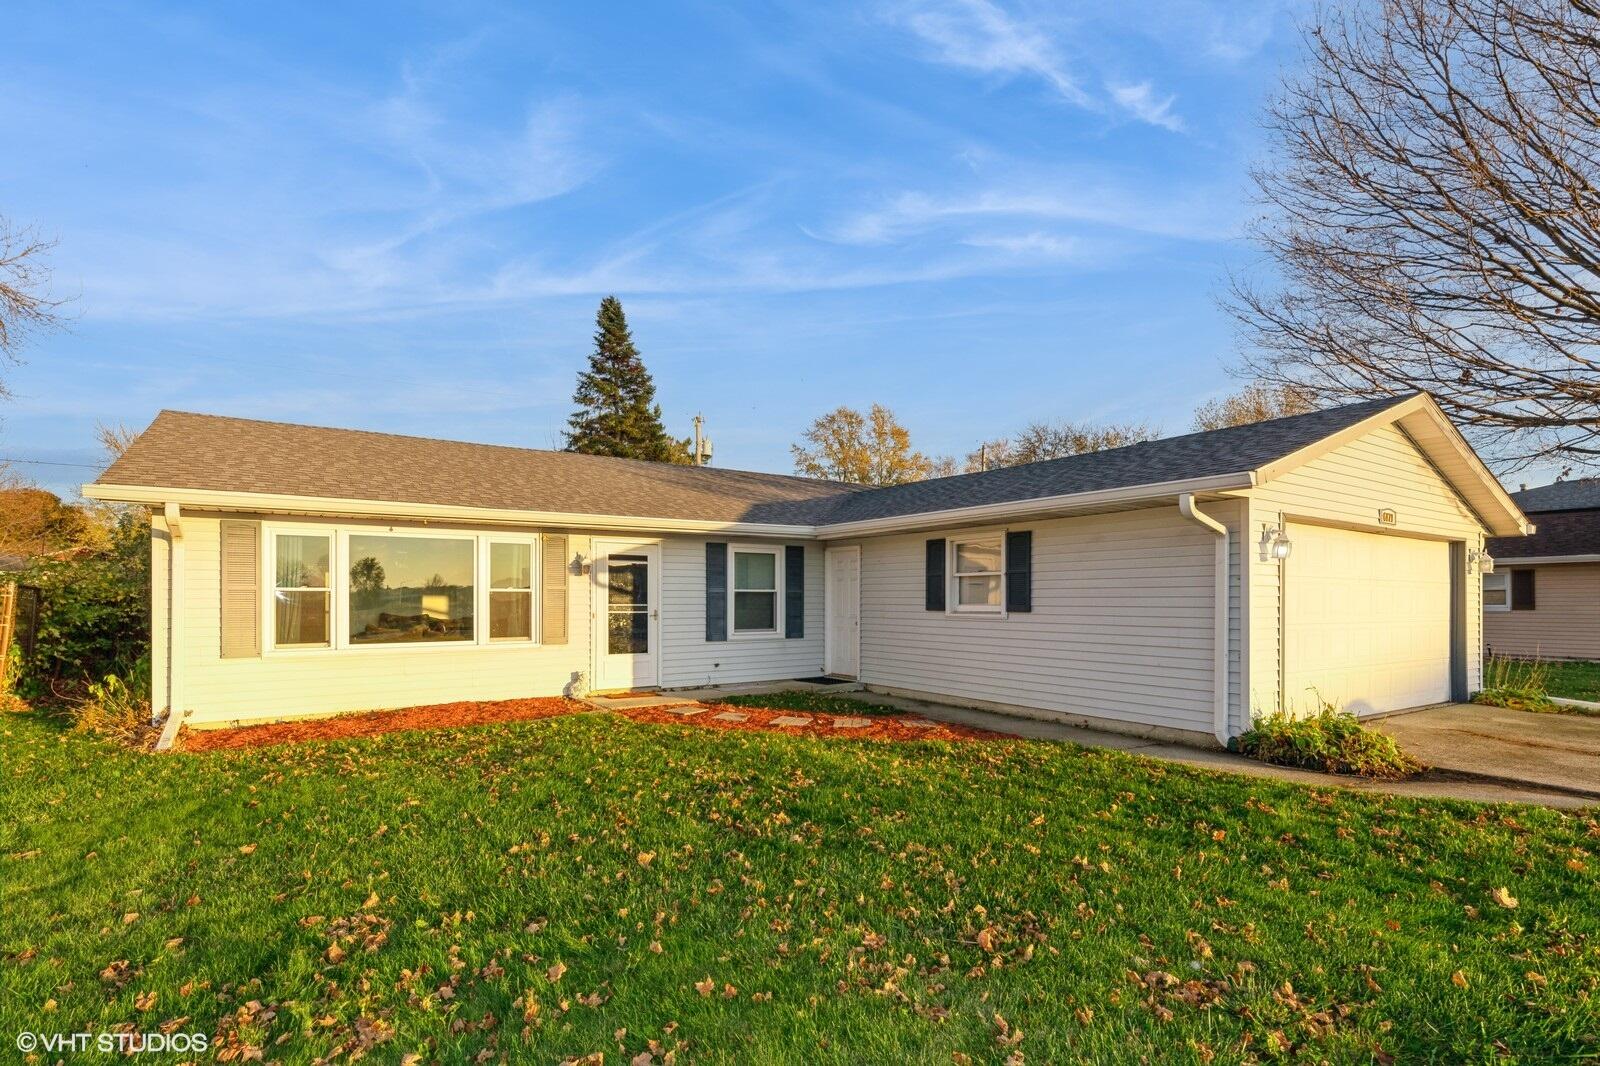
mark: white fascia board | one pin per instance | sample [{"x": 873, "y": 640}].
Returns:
[
  {"x": 1544, "y": 560},
  {"x": 1044, "y": 505},
  {"x": 274, "y": 503}
]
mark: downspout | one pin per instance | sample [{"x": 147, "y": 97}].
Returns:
[
  {"x": 1219, "y": 664},
  {"x": 175, "y": 626}
]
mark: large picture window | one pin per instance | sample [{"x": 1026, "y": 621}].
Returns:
[
  {"x": 301, "y": 592},
  {"x": 411, "y": 590},
  {"x": 510, "y": 590},
  {"x": 978, "y": 568},
  {"x": 755, "y": 590}
]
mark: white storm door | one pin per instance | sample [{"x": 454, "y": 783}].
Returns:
[
  {"x": 842, "y": 654},
  {"x": 627, "y": 616}
]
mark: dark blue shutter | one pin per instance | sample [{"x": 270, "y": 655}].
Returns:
[
  {"x": 1019, "y": 571},
  {"x": 933, "y": 574},
  {"x": 1522, "y": 590},
  {"x": 794, "y": 591},
  {"x": 716, "y": 591}
]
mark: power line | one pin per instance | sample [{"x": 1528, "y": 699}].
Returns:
[{"x": 47, "y": 462}]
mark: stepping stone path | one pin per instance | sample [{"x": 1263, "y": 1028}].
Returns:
[
  {"x": 730, "y": 716},
  {"x": 790, "y": 719},
  {"x": 919, "y": 723},
  {"x": 687, "y": 710},
  {"x": 851, "y": 723}
]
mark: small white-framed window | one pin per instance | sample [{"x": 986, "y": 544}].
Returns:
[
  {"x": 1497, "y": 591},
  {"x": 755, "y": 603},
  {"x": 302, "y": 590},
  {"x": 511, "y": 564},
  {"x": 977, "y": 573}
]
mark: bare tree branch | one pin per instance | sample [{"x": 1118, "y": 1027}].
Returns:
[{"x": 1433, "y": 218}]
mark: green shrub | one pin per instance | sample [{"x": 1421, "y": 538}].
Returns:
[
  {"x": 94, "y": 613},
  {"x": 1520, "y": 684},
  {"x": 116, "y": 707},
  {"x": 1332, "y": 741}
]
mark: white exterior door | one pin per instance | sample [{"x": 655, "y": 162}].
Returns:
[
  {"x": 627, "y": 635},
  {"x": 1366, "y": 620},
  {"x": 842, "y": 651}
]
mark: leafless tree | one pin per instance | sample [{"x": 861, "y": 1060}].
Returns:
[
  {"x": 25, "y": 307},
  {"x": 1038, "y": 441},
  {"x": 1256, "y": 402},
  {"x": 1433, "y": 218}
]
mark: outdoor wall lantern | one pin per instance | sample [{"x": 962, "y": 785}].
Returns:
[
  {"x": 1275, "y": 544},
  {"x": 1481, "y": 559}
]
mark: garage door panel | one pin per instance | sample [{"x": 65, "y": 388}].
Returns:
[{"x": 1366, "y": 620}]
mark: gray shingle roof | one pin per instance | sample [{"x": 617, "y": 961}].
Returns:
[
  {"x": 1194, "y": 455},
  {"x": 1578, "y": 494},
  {"x": 1558, "y": 533},
  {"x": 194, "y": 451}
]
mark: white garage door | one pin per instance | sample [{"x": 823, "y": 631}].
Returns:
[{"x": 1366, "y": 620}]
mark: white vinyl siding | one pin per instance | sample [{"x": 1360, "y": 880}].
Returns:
[
  {"x": 1347, "y": 487},
  {"x": 689, "y": 660},
  {"x": 1121, "y": 627}
]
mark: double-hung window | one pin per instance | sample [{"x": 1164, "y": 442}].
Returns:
[
  {"x": 1497, "y": 591},
  {"x": 510, "y": 590},
  {"x": 754, "y": 603},
  {"x": 302, "y": 591},
  {"x": 977, "y": 572}
]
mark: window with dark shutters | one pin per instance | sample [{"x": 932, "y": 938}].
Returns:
[
  {"x": 1019, "y": 571},
  {"x": 716, "y": 591},
  {"x": 1522, "y": 590},
  {"x": 794, "y": 591},
  {"x": 933, "y": 576}
]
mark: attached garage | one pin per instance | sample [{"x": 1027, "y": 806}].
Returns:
[{"x": 1366, "y": 620}]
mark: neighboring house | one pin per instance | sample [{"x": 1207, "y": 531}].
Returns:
[
  {"x": 300, "y": 570},
  {"x": 1543, "y": 599}
]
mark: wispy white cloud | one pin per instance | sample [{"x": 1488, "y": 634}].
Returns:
[
  {"x": 1071, "y": 199},
  {"x": 978, "y": 35},
  {"x": 1140, "y": 100},
  {"x": 981, "y": 36}
]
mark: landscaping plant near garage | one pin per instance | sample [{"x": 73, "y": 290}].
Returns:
[
  {"x": 1331, "y": 741},
  {"x": 1519, "y": 684}
]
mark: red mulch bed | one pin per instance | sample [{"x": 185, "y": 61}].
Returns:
[
  {"x": 882, "y": 727},
  {"x": 445, "y": 715},
  {"x": 373, "y": 723}
]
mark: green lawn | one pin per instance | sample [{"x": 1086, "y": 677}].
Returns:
[
  {"x": 585, "y": 884},
  {"x": 814, "y": 702},
  {"x": 1574, "y": 680}
]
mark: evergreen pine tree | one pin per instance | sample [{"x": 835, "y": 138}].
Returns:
[{"x": 617, "y": 413}]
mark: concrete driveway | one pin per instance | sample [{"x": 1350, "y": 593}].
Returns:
[{"x": 1559, "y": 751}]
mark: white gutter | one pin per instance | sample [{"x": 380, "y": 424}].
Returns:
[
  {"x": 1219, "y": 631},
  {"x": 213, "y": 500},
  {"x": 282, "y": 503},
  {"x": 1042, "y": 505},
  {"x": 1545, "y": 560}
]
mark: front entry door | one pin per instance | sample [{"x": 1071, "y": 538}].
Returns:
[
  {"x": 842, "y": 648},
  {"x": 627, "y": 621}
]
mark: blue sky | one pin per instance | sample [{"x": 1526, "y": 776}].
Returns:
[{"x": 402, "y": 216}]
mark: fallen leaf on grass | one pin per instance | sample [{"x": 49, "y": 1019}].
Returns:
[
  {"x": 554, "y": 973},
  {"x": 1504, "y": 898},
  {"x": 246, "y": 849},
  {"x": 1458, "y": 979},
  {"x": 706, "y": 987}
]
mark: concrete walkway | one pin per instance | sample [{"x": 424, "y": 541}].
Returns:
[
  {"x": 1555, "y": 751},
  {"x": 1481, "y": 791}
]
